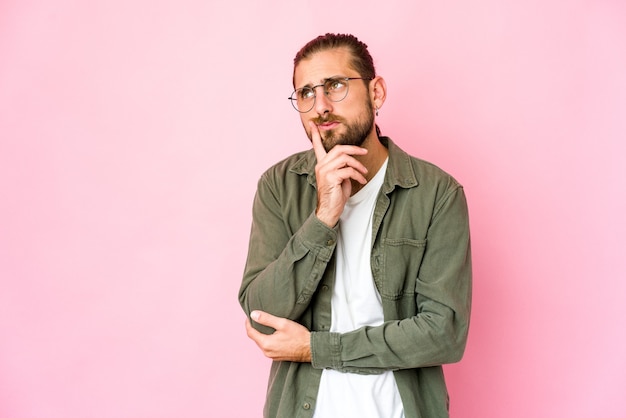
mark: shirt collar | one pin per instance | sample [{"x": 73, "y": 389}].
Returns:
[{"x": 400, "y": 172}]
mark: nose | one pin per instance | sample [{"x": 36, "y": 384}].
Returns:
[{"x": 322, "y": 103}]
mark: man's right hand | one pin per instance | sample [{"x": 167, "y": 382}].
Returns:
[{"x": 334, "y": 172}]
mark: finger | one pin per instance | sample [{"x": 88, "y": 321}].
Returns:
[
  {"x": 351, "y": 173},
  {"x": 342, "y": 156},
  {"x": 346, "y": 160},
  {"x": 316, "y": 140},
  {"x": 348, "y": 149},
  {"x": 343, "y": 165},
  {"x": 266, "y": 319}
]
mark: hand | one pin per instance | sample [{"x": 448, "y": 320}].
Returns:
[
  {"x": 334, "y": 172},
  {"x": 290, "y": 342}
]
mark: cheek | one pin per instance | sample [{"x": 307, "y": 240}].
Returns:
[{"x": 305, "y": 125}]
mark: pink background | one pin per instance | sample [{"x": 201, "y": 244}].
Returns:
[{"x": 132, "y": 134}]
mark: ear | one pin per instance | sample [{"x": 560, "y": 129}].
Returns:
[{"x": 378, "y": 91}]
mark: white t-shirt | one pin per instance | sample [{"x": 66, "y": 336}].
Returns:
[{"x": 355, "y": 303}]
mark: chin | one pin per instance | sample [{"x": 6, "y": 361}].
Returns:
[{"x": 345, "y": 140}]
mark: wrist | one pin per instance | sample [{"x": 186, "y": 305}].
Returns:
[
  {"x": 325, "y": 350},
  {"x": 329, "y": 220}
]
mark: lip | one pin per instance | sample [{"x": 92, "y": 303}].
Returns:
[{"x": 328, "y": 125}]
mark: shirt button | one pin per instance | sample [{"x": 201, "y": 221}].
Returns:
[
  {"x": 306, "y": 405},
  {"x": 330, "y": 242},
  {"x": 324, "y": 288}
]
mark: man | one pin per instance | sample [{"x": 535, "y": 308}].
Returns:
[{"x": 358, "y": 277}]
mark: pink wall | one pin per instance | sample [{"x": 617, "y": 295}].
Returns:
[{"x": 132, "y": 134}]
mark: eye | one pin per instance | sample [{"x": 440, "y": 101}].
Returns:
[
  {"x": 334, "y": 84},
  {"x": 305, "y": 93}
]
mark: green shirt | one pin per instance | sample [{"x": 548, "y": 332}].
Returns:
[{"x": 420, "y": 262}]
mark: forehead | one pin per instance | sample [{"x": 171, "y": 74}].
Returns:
[{"x": 323, "y": 64}]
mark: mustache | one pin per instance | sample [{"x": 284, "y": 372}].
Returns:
[{"x": 327, "y": 118}]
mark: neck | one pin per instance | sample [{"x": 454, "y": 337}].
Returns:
[{"x": 373, "y": 160}]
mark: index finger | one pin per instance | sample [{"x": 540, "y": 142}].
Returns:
[{"x": 316, "y": 140}]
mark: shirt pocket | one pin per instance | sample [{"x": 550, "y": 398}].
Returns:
[{"x": 402, "y": 258}]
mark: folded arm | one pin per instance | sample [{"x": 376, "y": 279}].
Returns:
[{"x": 284, "y": 266}]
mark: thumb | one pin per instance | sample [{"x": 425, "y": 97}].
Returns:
[{"x": 264, "y": 318}]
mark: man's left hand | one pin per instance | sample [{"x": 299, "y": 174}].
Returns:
[{"x": 290, "y": 342}]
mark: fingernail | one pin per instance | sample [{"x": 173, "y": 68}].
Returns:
[{"x": 254, "y": 315}]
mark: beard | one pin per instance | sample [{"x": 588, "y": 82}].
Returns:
[{"x": 354, "y": 134}]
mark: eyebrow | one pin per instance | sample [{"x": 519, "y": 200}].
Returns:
[{"x": 324, "y": 80}]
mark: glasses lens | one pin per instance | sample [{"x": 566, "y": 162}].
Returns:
[
  {"x": 303, "y": 99},
  {"x": 336, "y": 89}
]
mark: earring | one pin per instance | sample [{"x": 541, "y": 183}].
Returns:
[{"x": 376, "y": 110}]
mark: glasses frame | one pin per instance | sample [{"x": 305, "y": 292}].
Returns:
[{"x": 294, "y": 101}]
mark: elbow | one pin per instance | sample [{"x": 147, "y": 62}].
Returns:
[
  {"x": 457, "y": 341},
  {"x": 456, "y": 353},
  {"x": 449, "y": 339}
]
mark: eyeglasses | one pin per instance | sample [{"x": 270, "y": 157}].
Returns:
[{"x": 335, "y": 89}]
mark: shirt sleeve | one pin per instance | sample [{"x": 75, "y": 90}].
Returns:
[
  {"x": 284, "y": 267},
  {"x": 437, "y": 334}
]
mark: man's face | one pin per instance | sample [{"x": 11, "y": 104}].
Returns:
[{"x": 347, "y": 122}]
